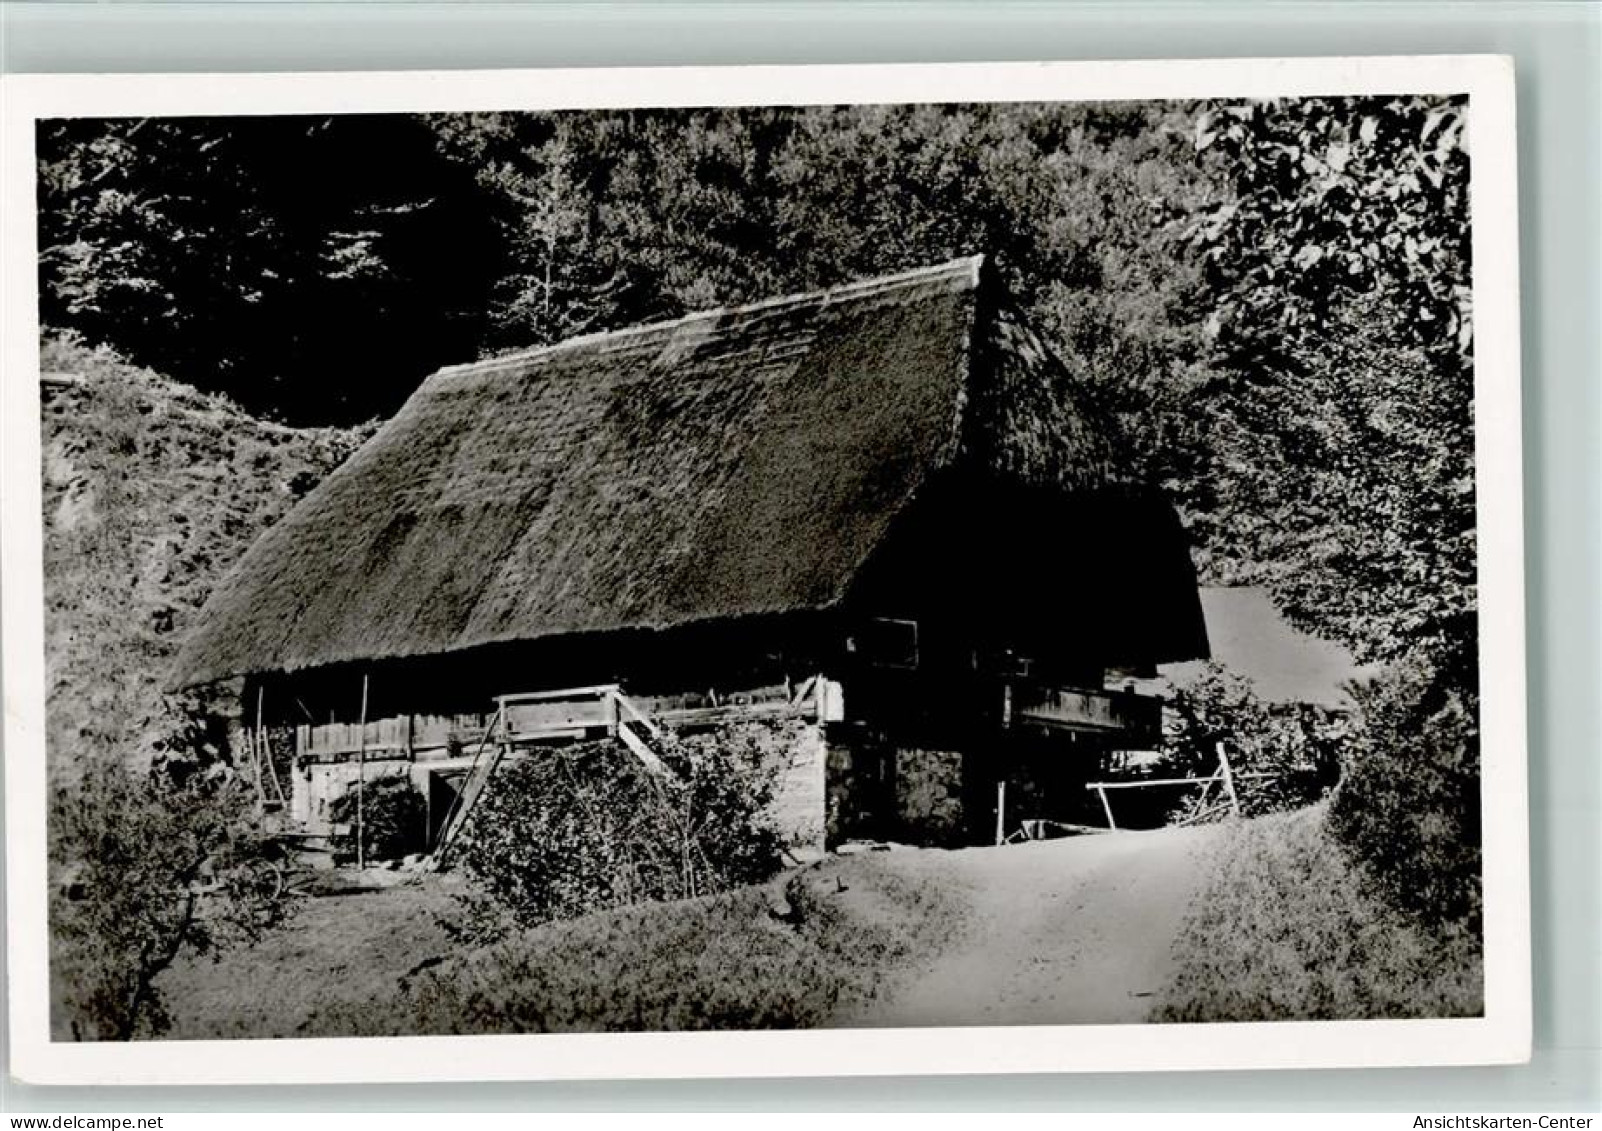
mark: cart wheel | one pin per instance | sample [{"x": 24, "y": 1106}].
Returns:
[{"x": 267, "y": 880}]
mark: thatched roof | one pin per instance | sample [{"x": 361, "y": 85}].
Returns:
[{"x": 732, "y": 463}]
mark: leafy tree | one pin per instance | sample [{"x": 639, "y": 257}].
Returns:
[
  {"x": 1338, "y": 434},
  {"x": 1336, "y": 429},
  {"x": 283, "y": 260},
  {"x": 1408, "y": 804},
  {"x": 151, "y": 868},
  {"x": 1297, "y": 744},
  {"x": 1335, "y": 198}
]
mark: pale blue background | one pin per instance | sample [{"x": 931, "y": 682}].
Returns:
[{"x": 1556, "y": 47}]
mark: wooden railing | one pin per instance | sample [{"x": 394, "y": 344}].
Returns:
[
  {"x": 399, "y": 735},
  {"x": 569, "y": 712},
  {"x": 565, "y": 713},
  {"x": 1136, "y": 719}
]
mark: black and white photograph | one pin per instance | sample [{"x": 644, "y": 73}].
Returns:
[{"x": 766, "y": 564}]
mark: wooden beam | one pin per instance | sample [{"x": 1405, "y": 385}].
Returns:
[
  {"x": 1106, "y": 807},
  {"x": 640, "y": 750},
  {"x": 1169, "y": 781},
  {"x": 623, "y": 705},
  {"x": 255, "y": 754},
  {"x": 808, "y": 685},
  {"x": 595, "y": 691},
  {"x": 361, "y": 779},
  {"x": 477, "y": 777},
  {"x": 265, "y": 749},
  {"x": 1229, "y": 779}
]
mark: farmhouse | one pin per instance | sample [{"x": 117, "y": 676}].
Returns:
[{"x": 878, "y": 522}]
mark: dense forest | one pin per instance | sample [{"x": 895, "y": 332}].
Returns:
[{"x": 1272, "y": 297}]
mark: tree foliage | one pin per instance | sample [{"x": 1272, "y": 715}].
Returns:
[
  {"x": 308, "y": 267},
  {"x": 1408, "y": 804},
  {"x": 1295, "y": 745},
  {"x": 1336, "y": 198},
  {"x": 150, "y": 867},
  {"x": 1336, "y": 427},
  {"x": 1336, "y": 444},
  {"x": 320, "y": 267}
]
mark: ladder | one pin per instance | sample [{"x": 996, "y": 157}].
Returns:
[{"x": 478, "y": 775}]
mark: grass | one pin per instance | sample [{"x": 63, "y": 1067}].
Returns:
[
  {"x": 1286, "y": 927},
  {"x": 793, "y": 953},
  {"x": 335, "y": 951}
]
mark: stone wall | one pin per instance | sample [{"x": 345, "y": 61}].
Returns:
[
  {"x": 883, "y": 789},
  {"x": 929, "y": 796}
]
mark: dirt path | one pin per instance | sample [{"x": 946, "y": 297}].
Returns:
[{"x": 1074, "y": 931}]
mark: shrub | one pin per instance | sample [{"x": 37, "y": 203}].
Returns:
[
  {"x": 564, "y": 832},
  {"x": 149, "y": 867},
  {"x": 1297, "y": 744},
  {"x": 394, "y": 819},
  {"x": 1408, "y": 804}
]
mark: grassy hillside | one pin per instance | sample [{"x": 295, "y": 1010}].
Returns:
[
  {"x": 800, "y": 951},
  {"x": 151, "y": 491},
  {"x": 1287, "y": 927}
]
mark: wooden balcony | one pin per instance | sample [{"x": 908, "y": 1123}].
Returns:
[
  {"x": 563, "y": 714},
  {"x": 1133, "y": 720}
]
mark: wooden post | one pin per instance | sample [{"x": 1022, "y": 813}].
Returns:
[
  {"x": 361, "y": 779},
  {"x": 1229, "y": 779},
  {"x": 1106, "y": 806},
  {"x": 264, "y": 751},
  {"x": 1001, "y": 812},
  {"x": 248, "y": 738},
  {"x": 256, "y": 753},
  {"x": 612, "y": 700},
  {"x": 428, "y": 813}
]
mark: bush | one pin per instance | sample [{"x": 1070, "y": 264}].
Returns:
[
  {"x": 561, "y": 833},
  {"x": 1297, "y": 744},
  {"x": 147, "y": 867},
  {"x": 394, "y": 819},
  {"x": 1408, "y": 804}
]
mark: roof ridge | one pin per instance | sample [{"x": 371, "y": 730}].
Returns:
[{"x": 966, "y": 267}]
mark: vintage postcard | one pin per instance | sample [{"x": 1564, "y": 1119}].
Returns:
[{"x": 752, "y": 571}]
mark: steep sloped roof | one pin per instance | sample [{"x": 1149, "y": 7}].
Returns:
[{"x": 736, "y": 462}]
